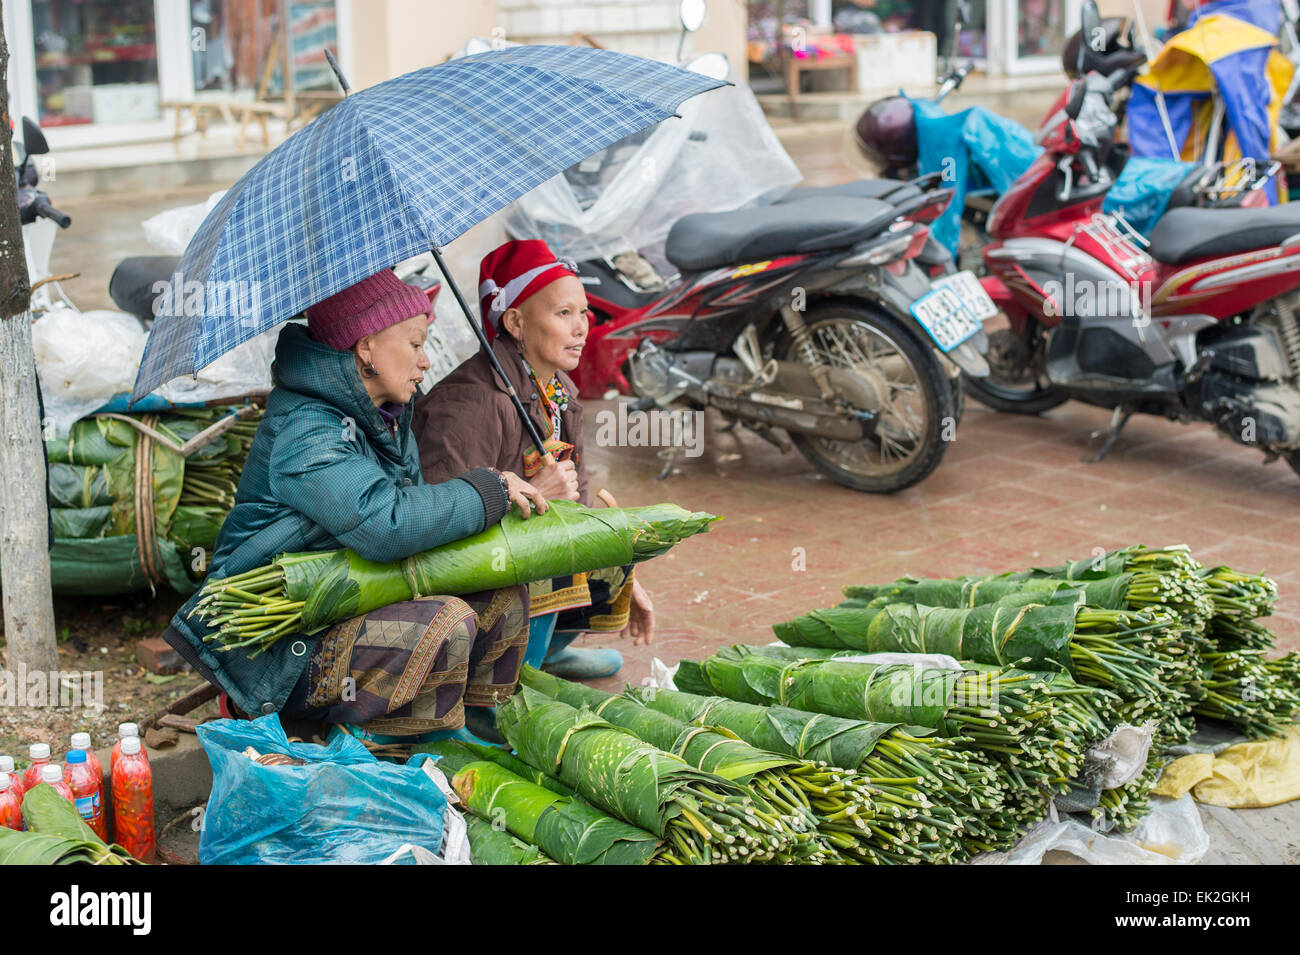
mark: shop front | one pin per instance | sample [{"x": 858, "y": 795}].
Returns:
[
  {"x": 1002, "y": 36},
  {"x": 96, "y": 72}
]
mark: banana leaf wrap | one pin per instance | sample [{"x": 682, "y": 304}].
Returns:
[
  {"x": 1107, "y": 592},
  {"x": 459, "y": 753},
  {"x": 491, "y": 846},
  {"x": 1021, "y": 628},
  {"x": 811, "y": 736},
  {"x": 307, "y": 592},
  {"x": 56, "y": 835},
  {"x": 568, "y": 830},
  {"x": 701, "y": 816},
  {"x": 956, "y": 788},
  {"x": 727, "y": 756},
  {"x": 93, "y": 499}
]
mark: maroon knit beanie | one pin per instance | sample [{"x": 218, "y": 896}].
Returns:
[{"x": 370, "y": 306}]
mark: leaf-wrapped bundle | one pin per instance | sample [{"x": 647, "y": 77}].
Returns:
[
  {"x": 307, "y": 592},
  {"x": 702, "y": 817}
]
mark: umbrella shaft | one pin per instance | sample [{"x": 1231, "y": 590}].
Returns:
[{"x": 529, "y": 426}]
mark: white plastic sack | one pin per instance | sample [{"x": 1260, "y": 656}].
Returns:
[
  {"x": 1171, "y": 834},
  {"x": 641, "y": 190},
  {"x": 927, "y": 661},
  {"x": 242, "y": 371},
  {"x": 83, "y": 359},
  {"x": 1124, "y": 753},
  {"x": 171, "y": 230}
]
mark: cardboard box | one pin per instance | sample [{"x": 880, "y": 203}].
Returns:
[
  {"x": 888, "y": 62},
  {"x": 113, "y": 102}
]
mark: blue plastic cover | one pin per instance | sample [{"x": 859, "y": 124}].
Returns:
[
  {"x": 973, "y": 149},
  {"x": 1143, "y": 189},
  {"x": 343, "y": 806}
]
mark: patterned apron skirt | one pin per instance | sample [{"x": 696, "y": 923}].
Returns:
[{"x": 413, "y": 667}]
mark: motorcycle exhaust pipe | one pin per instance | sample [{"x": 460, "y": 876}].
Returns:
[{"x": 785, "y": 415}]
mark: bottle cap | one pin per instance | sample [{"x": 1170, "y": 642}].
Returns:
[
  {"x": 51, "y": 774},
  {"x": 81, "y": 741},
  {"x": 127, "y": 729},
  {"x": 77, "y": 756},
  {"x": 130, "y": 746},
  {"x": 6, "y": 764},
  {"x": 39, "y": 751}
]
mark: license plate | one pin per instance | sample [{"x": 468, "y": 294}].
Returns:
[{"x": 953, "y": 310}]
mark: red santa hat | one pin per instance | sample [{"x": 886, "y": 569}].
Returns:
[{"x": 510, "y": 274}]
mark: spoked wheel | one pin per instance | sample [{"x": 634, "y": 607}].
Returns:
[
  {"x": 1017, "y": 381},
  {"x": 880, "y": 366}
]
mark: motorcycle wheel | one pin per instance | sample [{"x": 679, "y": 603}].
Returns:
[
  {"x": 1016, "y": 383},
  {"x": 918, "y": 397}
]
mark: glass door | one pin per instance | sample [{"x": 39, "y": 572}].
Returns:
[{"x": 1034, "y": 34}]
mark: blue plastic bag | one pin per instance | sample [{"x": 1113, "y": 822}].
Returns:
[
  {"x": 974, "y": 148},
  {"x": 1143, "y": 189},
  {"x": 344, "y": 806}
]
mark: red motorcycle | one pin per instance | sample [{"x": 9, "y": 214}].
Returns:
[
  {"x": 1199, "y": 323},
  {"x": 815, "y": 315}
]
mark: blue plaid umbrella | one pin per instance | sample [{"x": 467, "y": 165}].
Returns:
[{"x": 393, "y": 171}]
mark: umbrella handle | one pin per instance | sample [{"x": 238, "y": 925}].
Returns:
[{"x": 529, "y": 426}]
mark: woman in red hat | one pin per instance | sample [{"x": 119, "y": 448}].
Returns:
[
  {"x": 535, "y": 312},
  {"x": 334, "y": 464}
]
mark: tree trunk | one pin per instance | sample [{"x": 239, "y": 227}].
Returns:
[{"x": 24, "y": 527}]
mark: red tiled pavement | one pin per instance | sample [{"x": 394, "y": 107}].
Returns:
[{"x": 1012, "y": 492}]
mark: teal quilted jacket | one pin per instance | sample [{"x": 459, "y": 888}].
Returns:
[{"x": 324, "y": 472}]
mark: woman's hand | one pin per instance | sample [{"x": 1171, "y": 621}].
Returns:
[
  {"x": 641, "y": 617},
  {"x": 524, "y": 494},
  {"x": 558, "y": 480}
]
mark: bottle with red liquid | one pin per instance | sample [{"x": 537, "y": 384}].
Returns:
[
  {"x": 11, "y": 803},
  {"x": 133, "y": 825},
  {"x": 15, "y": 777},
  {"x": 40, "y": 756},
  {"x": 124, "y": 730},
  {"x": 53, "y": 775},
  {"x": 86, "y": 785},
  {"x": 82, "y": 741}
]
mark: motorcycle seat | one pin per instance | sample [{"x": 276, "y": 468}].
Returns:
[
  {"x": 131, "y": 286},
  {"x": 710, "y": 240},
  {"x": 889, "y": 190},
  {"x": 1183, "y": 235}
]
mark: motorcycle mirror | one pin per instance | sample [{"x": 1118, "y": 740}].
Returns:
[
  {"x": 692, "y": 13},
  {"x": 713, "y": 65},
  {"x": 34, "y": 143},
  {"x": 1075, "y": 104}
]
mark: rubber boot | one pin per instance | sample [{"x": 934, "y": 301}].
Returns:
[
  {"x": 482, "y": 722},
  {"x": 580, "y": 663}
]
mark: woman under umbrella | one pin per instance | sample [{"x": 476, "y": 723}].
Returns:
[
  {"x": 334, "y": 464},
  {"x": 535, "y": 310}
]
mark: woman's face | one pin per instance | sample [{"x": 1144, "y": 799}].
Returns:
[
  {"x": 551, "y": 326},
  {"x": 397, "y": 355}
]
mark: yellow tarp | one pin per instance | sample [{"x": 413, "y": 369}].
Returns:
[{"x": 1245, "y": 776}]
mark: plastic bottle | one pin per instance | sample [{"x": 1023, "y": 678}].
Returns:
[
  {"x": 82, "y": 741},
  {"x": 133, "y": 825},
  {"x": 11, "y": 803},
  {"x": 54, "y": 776},
  {"x": 123, "y": 731},
  {"x": 15, "y": 777},
  {"x": 40, "y": 756},
  {"x": 86, "y": 785}
]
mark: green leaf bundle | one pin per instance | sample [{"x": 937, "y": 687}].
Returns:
[
  {"x": 702, "y": 817},
  {"x": 309, "y": 591}
]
